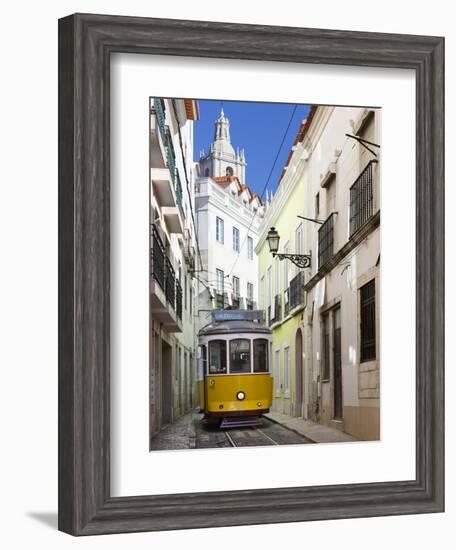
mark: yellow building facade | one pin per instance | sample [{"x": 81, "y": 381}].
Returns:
[{"x": 281, "y": 290}]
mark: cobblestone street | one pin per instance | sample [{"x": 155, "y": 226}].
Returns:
[{"x": 188, "y": 432}]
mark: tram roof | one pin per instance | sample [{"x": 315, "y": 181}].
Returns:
[{"x": 231, "y": 327}]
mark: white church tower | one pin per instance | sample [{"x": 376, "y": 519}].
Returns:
[
  {"x": 228, "y": 217},
  {"x": 222, "y": 160}
]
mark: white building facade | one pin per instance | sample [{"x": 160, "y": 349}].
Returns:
[
  {"x": 343, "y": 288},
  {"x": 173, "y": 260},
  {"x": 228, "y": 218},
  {"x": 326, "y": 318}
]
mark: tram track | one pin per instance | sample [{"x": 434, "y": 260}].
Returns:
[{"x": 249, "y": 437}]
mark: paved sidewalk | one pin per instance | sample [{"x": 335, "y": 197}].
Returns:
[
  {"x": 180, "y": 435},
  {"x": 316, "y": 432}
]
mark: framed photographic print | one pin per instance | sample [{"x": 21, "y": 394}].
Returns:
[{"x": 251, "y": 274}]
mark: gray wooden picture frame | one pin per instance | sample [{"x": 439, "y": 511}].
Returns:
[{"x": 85, "y": 45}]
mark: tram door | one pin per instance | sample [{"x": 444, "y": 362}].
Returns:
[{"x": 337, "y": 365}]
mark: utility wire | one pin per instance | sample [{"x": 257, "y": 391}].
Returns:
[{"x": 264, "y": 189}]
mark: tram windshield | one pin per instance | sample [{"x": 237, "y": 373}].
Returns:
[
  {"x": 217, "y": 357},
  {"x": 260, "y": 355},
  {"x": 239, "y": 356}
]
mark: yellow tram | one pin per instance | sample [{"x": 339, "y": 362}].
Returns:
[{"x": 234, "y": 378}]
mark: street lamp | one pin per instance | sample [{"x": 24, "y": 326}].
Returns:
[{"x": 301, "y": 260}]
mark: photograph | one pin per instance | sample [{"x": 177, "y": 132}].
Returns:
[{"x": 264, "y": 314}]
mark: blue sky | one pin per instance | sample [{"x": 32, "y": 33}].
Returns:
[{"x": 259, "y": 129}]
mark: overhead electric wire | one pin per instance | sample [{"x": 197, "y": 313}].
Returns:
[{"x": 264, "y": 189}]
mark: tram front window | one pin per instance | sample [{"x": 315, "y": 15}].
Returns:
[
  {"x": 239, "y": 356},
  {"x": 260, "y": 355},
  {"x": 217, "y": 357}
]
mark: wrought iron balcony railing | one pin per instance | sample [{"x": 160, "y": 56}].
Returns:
[
  {"x": 362, "y": 198},
  {"x": 158, "y": 256},
  {"x": 326, "y": 241},
  {"x": 159, "y": 106},
  {"x": 164, "y": 274},
  {"x": 170, "y": 283},
  {"x": 296, "y": 291},
  {"x": 170, "y": 157},
  {"x": 178, "y": 299},
  {"x": 178, "y": 189}
]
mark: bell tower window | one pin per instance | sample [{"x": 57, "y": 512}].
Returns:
[{"x": 229, "y": 171}]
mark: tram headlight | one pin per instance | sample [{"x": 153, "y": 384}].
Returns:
[{"x": 240, "y": 395}]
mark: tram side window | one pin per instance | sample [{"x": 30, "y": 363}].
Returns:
[
  {"x": 260, "y": 355},
  {"x": 239, "y": 356},
  {"x": 217, "y": 357}
]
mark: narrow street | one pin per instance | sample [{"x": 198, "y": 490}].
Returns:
[{"x": 188, "y": 432}]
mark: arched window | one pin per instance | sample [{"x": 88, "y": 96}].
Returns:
[{"x": 229, "y": 171}]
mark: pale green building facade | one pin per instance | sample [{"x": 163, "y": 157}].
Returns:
[{"x": 281, "y": 289}]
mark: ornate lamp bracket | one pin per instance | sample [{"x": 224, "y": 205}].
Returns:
[{"x": 301, "y": 260}]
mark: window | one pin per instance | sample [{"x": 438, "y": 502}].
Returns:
[
  {"x": 236, "y": 239},
  {"x": 325, "y": 347},
  {"x": 240, "y": 356},
  {"x": 220, "y": 281},
  {"x": 217, "y": 357},
  {"x": 286, "y": 367},
  {"x": 286, "y": 280},
  {"x": 317, "y": 206},
  {"x": 326, "y": 241},
  {"x": 361, "y": 199},
  {"x": 277, "y": 377},
  {"x": 262, "y": 293},
  {"x": 236, "y": 286},
  {"x": 260, "y": 355},
  {"x": 250, "y": 248},
  {"x": 185, "y": 292},
  {"x": 250, "y": 292},
  {"x": 277, "y": 275},
  {"x": 219, "y": 230},
  {"x": 229, "y": 171},
  {"x": 298, "y": 242},
  {"x": 367, "y": 314},
  {"x": 206, "y": 172}
]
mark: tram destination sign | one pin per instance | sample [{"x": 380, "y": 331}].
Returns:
[{"x": 221, "y": 315}]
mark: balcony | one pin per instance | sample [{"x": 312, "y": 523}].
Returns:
[
  {"x": 326, "y": 241},
  {"x": 158, "y": 134},
  {"x": 235, "y": 301},
  {"x": 276, "y": 315},
  {"x": 296, "y": 291},
  {"x": 362, "y": 199},
  {"x": 178, "y": 190},
  {"x": 163, "y": 286},
  {"x": 170, "y": 156},
  {"x": 173, "y": 219},
  {"x": 178, "y": 300}
]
